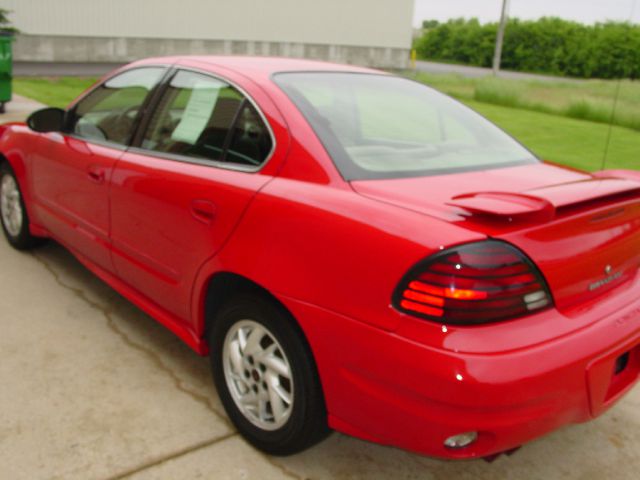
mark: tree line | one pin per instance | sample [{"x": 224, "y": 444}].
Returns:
[{"x": 548, "y": 45}]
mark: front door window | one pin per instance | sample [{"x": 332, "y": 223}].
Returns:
[{"x": 108, "y": 113}]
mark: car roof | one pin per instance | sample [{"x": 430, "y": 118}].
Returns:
[{"x": 254, "y": 66}]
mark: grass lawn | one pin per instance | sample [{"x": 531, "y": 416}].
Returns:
[
  {"x": 55, "y": 91},
  {"x": 582, "y": 99},
  {"x": 576, "y": 143},
  {"x": 554, "y": 137}
]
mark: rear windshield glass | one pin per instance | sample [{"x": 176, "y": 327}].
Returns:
[{"x": 381, "y": 126}]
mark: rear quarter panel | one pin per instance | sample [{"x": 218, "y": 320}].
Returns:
[{"x": 330, "y": 247}]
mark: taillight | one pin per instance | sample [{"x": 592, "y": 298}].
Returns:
[{"x": 472, "y": 284}]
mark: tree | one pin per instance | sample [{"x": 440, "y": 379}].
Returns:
[
  {"x": 427, "y": 24},
  {"x": 547, "y": 45},
  {"x": 5, "y": 23}
]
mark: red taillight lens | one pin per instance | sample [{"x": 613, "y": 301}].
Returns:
[{"x": 472, "y": 284}]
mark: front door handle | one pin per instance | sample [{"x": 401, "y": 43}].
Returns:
[
  {"x": 203, "y": 210},
  {"x": 96, "y": 174}
]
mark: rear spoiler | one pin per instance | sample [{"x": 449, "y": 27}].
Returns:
[
  {"x": 621, "y": 174},
  {"x": 542, "y": 204}
]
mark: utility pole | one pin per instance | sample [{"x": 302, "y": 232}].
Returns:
[{"x": 497, "y": 58}]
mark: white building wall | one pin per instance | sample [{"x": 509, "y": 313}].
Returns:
[{"x": 381, "y": 24}]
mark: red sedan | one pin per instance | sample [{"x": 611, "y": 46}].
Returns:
[{"x": 354, "y": 250}]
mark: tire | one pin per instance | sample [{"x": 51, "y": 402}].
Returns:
[
  {"x": 13, "y": 213},
  {"x": 273, "y": 366}
]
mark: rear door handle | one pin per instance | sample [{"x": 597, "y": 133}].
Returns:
[
  {"x": 96, "y": 174},
  {"x": 203, "y": 210}
]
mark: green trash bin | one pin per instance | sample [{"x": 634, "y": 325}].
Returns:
[{"x": 6, "y": 68}]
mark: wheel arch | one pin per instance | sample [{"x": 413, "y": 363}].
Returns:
[
  {"x": 223, "y": 286},
  {"x": 13, "y": 147},
  {"x": 15, "y": 163}
]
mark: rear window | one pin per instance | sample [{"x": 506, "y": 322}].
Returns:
[{"x": 382, "y": 126}]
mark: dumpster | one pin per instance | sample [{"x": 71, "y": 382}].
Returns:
[{"x": 6, "y": 68}]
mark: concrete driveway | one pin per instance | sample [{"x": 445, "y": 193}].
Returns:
[{"x": 92, "y": 388}]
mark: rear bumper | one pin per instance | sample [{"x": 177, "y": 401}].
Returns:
[{"x": 391, "y": 390}]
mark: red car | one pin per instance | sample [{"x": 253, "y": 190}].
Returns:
[{"x": 354, "y": 250}]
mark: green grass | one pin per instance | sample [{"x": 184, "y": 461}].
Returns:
[
  {"x": 535, "y": 113},
  {"x": 576, "y": 143},
  {"x": 583, "y": 99},
  {"x": 56, "y": 92},
  {"x": 495, "y": 94}
]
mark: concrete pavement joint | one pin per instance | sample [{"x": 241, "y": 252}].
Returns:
[
  {"x": 156, "y": 360},
  {"x": 288, "y": 473},
  {"x": 150, "y": 354},
  {"x": 172, "y": 456}
]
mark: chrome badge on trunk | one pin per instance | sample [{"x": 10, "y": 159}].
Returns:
[{"x": 610, "y": 278}]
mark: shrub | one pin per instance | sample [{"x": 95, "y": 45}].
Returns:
[{"x": 548, "y": 45}]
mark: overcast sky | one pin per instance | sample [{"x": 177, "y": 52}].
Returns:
[{"x": 585, "y": 11}]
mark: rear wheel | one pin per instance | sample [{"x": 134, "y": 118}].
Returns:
[
  {"x": 266, "y": 376},
  {"x": 15, "y": 221}
]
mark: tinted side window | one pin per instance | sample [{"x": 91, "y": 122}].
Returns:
[
  {"x": 108, "y": 113},
  {"x": 250, "y": 141},
  {"x": 203, "y": 117}
]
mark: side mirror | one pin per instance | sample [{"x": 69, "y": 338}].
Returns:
[{"x": 47, "y": 120}]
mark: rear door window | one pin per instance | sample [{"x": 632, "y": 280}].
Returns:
[{"x": 203, "y": 117}]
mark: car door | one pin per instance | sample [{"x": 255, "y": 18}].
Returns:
[
  {"x": 72, "y": 169},
  {"x": 177, "y": 196}
]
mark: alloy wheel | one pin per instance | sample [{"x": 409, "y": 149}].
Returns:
[
  {"x": 11, "y": 205},
  {"x": 258, "y": 375}
]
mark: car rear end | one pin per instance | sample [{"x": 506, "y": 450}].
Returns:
[
  {"x": 473, "y": 388},
  {"x": 539, "y": 324},
  {"x": 419, "y": 397},
  {"x": 501, "y": 340}
]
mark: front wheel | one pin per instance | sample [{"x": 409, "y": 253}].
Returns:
[
  {"x": 266, "y": 376},
  {"x": 15, "y": 221}
]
